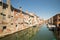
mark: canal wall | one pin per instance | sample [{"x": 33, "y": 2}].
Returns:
[{"x": 25, "y": 34}]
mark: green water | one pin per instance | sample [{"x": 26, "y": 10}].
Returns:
[
  {"x": 44, "y": 34},
  {"x": 33, "y": 33}
]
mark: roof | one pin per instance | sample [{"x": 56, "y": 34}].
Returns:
[
  {"x": 57, "y": 14},
  {"x": 4, "y": 5},
  {"x": 12, "y": 8},
  {"x": 28, "y": 14}
]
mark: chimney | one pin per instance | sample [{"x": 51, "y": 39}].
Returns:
[
  {"x": 26, "y": 11},
  {"x": 9, "y": 6},
  {"x": 20, "y": 9},
  {"x": 8, "y": 2}
]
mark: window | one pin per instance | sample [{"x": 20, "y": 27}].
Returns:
[
  {"x": 59, "y": 15},
  {"x": 4, "y": 14},
  {"x": 1, "y": 13},
  {"x": 16, "y": 25},
  {"x": 59, "y": 25},
  {"x": 4, "y": 27},
  {"x": 11, "y": 16},
  {"x": 59, "y": 19},
  {"x": 11, "y": 23}
]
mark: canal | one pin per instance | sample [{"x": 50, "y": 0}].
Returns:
[
  {"x": 44, "y": 34},
  {"x": 34, "y": 33}
]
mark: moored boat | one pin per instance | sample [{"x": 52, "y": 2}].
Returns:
[{"x": 51, "y": 27}]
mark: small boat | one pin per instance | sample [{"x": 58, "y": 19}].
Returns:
[{"x": 51, "y": 27}]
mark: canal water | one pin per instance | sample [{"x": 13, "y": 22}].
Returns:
[
  {"x": 44, "y": 34},
  {"x": 34, "y": 33}
]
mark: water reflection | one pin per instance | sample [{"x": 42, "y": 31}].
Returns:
[
  {"x": 34, "y": 33},
  {"x": 57, "y": 34},
  {"x": 22, "y": 35},
  {"x": 44, "y": 34}
]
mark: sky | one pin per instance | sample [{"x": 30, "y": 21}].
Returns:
[{"x": 42, "y": 8}]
